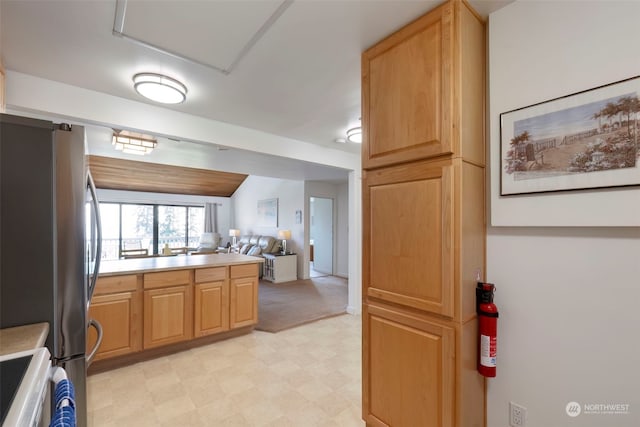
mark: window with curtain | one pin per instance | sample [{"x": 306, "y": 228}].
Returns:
[{"x": 127, "y": 226}]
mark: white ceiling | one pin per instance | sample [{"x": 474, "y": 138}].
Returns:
[{"x": 293, "y": 66}]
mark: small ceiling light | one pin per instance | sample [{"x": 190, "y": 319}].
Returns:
[
  {"x": 133, "y": 143},
  {"x": 355, "y": 135},
  {"x": 159, "y": 88}
]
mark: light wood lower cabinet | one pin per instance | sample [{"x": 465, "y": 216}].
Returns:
[
  {"x": 244, "y": 295},
  {"x": 244, "y": 302},
  {"x": 211, "y": 308},
  {"x": 168, "y": 315},
  {"x": 397, "y": 396},
  {"x": 121, "y": 318},
  {"x": 144, "y": 311},
  {"x": 117, "y": 306}
]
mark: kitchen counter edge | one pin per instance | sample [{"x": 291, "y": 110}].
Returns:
[
  {"x": 180, "y": 262},
  {"x": 21, "y": 338}
]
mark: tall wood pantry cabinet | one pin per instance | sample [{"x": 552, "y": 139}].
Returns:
[{"x": 423, "y": 158}]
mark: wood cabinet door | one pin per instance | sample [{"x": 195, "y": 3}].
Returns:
[
  {"x": 244, "y": 302},
  {"x": 408, "y": 235},
  {"x": 121, "y": 318},
  {"x": 407, "y": 92},
  {"x": 211, "y": 308},
  {"x": 408, "y": 370},
  {"x": 168, "y": 315}
]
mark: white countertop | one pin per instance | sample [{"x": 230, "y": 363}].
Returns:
[
  {"x": 21, "y": 338},
  {"x": 179, "y": 262}
]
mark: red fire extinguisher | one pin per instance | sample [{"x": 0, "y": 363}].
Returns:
[{"x": 487, "y": 329}]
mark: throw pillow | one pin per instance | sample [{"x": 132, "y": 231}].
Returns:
[
  {"x": 255, "y": 251},
  {"x": 245, "y": 248}
]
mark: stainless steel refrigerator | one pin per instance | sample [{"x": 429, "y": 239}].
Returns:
[{"x": 48, "y": 267}]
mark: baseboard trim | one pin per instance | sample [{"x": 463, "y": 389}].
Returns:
[{"x": 354, "y": 310}]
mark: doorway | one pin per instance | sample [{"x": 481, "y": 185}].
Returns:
[{"x": 320, "y": 236}]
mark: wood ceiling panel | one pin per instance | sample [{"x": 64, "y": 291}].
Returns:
[{"x": 118, "y": 174}]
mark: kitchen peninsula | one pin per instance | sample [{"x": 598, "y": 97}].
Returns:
[{"x": 157, "y": 305}]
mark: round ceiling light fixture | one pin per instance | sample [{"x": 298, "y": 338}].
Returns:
[
  {"x": 355, "y": 135},
  {"x": 160, "y": 88}
]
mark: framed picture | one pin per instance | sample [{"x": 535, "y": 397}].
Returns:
[
  {"x": 298, "y": 217},
  {"x": 581, "y": 141},
  {"x": 268, "y": 213}
]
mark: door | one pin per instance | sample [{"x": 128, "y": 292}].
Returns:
[
  {"x": 408, "y": 238},
  {"x": 76, "y": 369},
  {"x": 408, "y": 363},
  {"x": 121, "y": 319},
  {"x": 244, "y": 302},
  {"x": 211, "y": 308},
  {"x": 168, "y": 315},
  {"x": 321, "y": 232},
  {"x": 407, "y": 92},
  {"x": 72, "y": 294}
]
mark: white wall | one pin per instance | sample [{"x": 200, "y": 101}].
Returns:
[
  {"x": 342, "y": 239},
  {"x": 355, "y": 242},
  {"x": 290, "y": 195},
  {"x": 567, "y": 295}
]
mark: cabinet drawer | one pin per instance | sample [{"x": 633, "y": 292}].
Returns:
[
  {"x": 113, "y": 284},
  {"x": 245, "y": 270},
  {"x": 166, "y": 278},
  {"x": 211, "y": 274}
]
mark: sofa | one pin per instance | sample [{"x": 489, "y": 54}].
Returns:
[{"x": 256, "y": 245}]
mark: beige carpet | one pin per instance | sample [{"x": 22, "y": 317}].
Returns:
[{"x": 285, "y": 305}]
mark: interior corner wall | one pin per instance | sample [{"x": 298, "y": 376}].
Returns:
[
  {"x": 567, "y": 295},
  {"x": 342, "y": 229},
  {"x": 290, "y": 195}
]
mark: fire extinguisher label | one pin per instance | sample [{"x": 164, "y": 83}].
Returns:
[{"x": 488, "y": 347}]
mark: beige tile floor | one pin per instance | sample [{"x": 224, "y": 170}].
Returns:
[{"x": 306, "y": 376}]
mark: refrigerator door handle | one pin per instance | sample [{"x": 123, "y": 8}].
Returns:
[
  {"x": 98, "y": 253},
  {"x": 94, "y": 350}
]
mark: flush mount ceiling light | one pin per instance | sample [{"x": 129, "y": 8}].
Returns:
[
  {"x": 355, "y": 135},
  {"x": 159, "y": 88},
  {"x": 133, "y": 143}
]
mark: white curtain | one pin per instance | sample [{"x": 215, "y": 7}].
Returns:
[{"x": 210, "y": 217}]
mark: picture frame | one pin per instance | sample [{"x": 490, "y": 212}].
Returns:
[
  {"x": 268, "y": 213},
  {"x": 298, "y": 217},
  {"x": 586, "y": 140}
]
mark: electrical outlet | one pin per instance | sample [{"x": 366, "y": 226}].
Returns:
[{"x": 517, "y": 415}]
